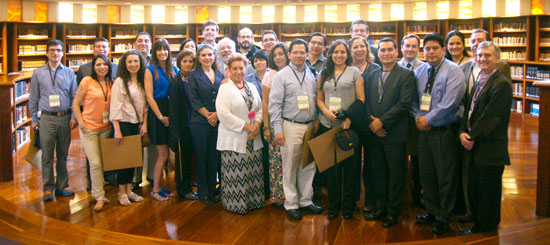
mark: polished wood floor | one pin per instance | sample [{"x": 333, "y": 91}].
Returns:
[{"x": 25, "y": 218}]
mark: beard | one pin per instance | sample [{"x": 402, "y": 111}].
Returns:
[{"x": 245, "y": 45}]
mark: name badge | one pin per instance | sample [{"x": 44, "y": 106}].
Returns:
[
  {"x": 105, "y": 117},
  {"x": 303, "y": 102},
  {"x": 425, "y": 102},
  {"x": 54, "y": 100},
  {"x": 335, "y": 103}
]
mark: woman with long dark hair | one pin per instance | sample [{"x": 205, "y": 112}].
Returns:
[
  {"x": 128, "y": 111},
  {"x": 339, "y": 86},
  {"x": 456, "y": 48},
  {"x": 204, "y": 83},
  {"x": 158, "y": 76},
  {"x": 94, "y": 93},
  {"x": 277, "y": 60}
]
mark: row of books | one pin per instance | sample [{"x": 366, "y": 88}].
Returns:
[
  {"x": 510, "y": 26},
  {"x": 514, "y": 55},
  {"x": 421, "y": 28},
  {"x": 78, "y": 62},
  {"x": 336, "y": 29},
  {"x": 465, "y": 27},
  {"x": 126, "y": 33},
  {"x": 22, "y": 136},
  {"x": 81, "y": 33},
  {"x": 544, "y": 57},
  {"x": 123, "y": 47},
  {"x": 510, "y": 40},
  {"x": 20, "y": 113},
  {"x": 168, "y": 34},
  {"x": 544, "y": 41},
  {"x": 517, "y": 89},
  {"x": 535, "y": 73},
  {"x": 31, "y": 65},
  {"x": 297, "y": 30},
  {"x": 81, "y": 48},
  {"x": 32, "y": 49},
  {"x": 517, "y": 71},
  {"x": 32, "y": 32},
  {"x": 532, "y": 92},
  {"x": 517, "y": 106},
  {"x": 22, "y": 89}
]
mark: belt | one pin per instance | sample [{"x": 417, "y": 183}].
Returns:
[
  {"x": 452, "y": 126},
  {"x": 59, "y": 114},
  {"x": 294, "y": 121}
]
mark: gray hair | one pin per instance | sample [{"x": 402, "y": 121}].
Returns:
[{"x": 488, "y": 44}]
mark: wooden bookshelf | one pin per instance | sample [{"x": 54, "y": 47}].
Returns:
[
  {"x": 79, "y": 41},
  {"x": 421, "y": 28},
  {"x": 175, "y": 34},
  {"x": 15, "y": 121},
  {"x": 28, "y": 44},
  {"x": 511, "y": 34},
  {"x": 542, "y": 39},
  {"x": 4, "y": 50},
  {"x": 289, "y": 32},
  {"x": 466, "y": 27},
  {"x": 121, "y": 37}
]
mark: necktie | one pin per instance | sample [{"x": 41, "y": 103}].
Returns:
[
  {"x": 431, "y": 80},
  {"x": 409, "y": 66}
]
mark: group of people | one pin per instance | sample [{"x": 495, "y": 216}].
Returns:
[{"x": 239, "y": 113}]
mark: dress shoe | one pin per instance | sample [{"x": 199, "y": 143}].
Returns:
[
  {"x": 466, "y": 218},
  {"x": 390, "y": 221},
  {"x": 332, "y": 215},
  {"x": 294, "y": 214},
  {"x": 466, "y": 232},
  {"x": 206, "y": 200},
  {"x": 440, "y": 228},
  {"x": 314, "y": 209},
  {"x": 190, "y": 196},
  {"x": 426, "y": 219},
  {"x": 376, "y": 215},
  {"x": 369, "y": 208},
  {"x": 48, "y": 196},
  {"x": 65, "y": 192},
  {"x": 348, "y": 215}
]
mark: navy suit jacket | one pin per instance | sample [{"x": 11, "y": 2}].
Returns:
[{"x": 202, "y": 93}]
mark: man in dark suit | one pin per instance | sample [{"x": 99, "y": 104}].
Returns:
[
  {"x": 471, "y": 71},
  {"x": 389, "y": 92},
  {"x": 483, "y": 132}
]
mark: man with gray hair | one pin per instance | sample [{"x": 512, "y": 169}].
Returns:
[
  {"x": 226, "y": 47},
  {"x": 483, "y": 134},
  {"x": 246, "y": 43}
]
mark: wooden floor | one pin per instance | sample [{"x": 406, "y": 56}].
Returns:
[{"x": 25, "y": 218}]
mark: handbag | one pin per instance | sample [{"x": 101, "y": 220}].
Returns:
[
  {"x": 145, "y": 139},
  {"x": 347, "y": 139}
]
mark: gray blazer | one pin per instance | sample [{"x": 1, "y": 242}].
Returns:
[
  {"x": 503, "y": 67},
  {"x": 393, "y": 108},
  {"x": 417, "y": 63}
]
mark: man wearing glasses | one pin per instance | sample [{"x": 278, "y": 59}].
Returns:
[
  {"x": 316, "y": 59},
  {"x": 246, "y": 43},
  {"x": 53, "y": 87}
]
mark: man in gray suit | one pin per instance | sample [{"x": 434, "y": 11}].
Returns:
[
  {"x": 410, "y": 46},
  {"x": 389, "y": 92},
  {"x": 472, "y": 73}
]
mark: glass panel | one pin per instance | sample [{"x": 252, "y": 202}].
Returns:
[
  {"x": 310, "y": 13},
  {"x": 354, "y": 12},
  {"x": 397, "y": 11},
  {"x": 375, "y": 12},
  {"x": 65, "y": 12},
  {"x": 442, "y": 10},
  {"x": 245, "y": 14},
  {"x": 268, "y": 14},
  {"x": 465, "y": 9},
  {"x": 420, "y": 11},
  {"x": 331, "y": 13},
  {"x": 289, "y": 14},
  {"x": 137, "y": 14}
]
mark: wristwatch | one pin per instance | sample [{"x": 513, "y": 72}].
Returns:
[{"x": 161, "y": 117}]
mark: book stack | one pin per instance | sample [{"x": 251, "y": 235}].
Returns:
[
  {"x": 517, "y": 89},
  {"x": 510, "y": 26},
  {"x": 20, "y": 113},
  {"x": 32, "y": 49},
  {"x": 510, "y": 41},
  {"x": 31, "y": 65},
  {"x": 22, "y": 90},
  {"x": 22, "y": 136},
  {"x": 534, "y": 73},
  {"x": 81, "y": 48},
  {"x": 517, "y": 106},
  {"x": 123, "y": 47},
  {"x": 517, "y": 71},
  {"x": 532, "y": 92}
]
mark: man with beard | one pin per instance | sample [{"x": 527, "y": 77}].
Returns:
[{"x": 246, "y": 43}]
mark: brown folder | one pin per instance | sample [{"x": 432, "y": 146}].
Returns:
[
  {"x": 126, "y": 155},
  {"x": 325, "y": 148},
  {"x": 307, "y": 156}
]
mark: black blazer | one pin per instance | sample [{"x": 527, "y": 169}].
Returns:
[
  {"x": 393, "y": 109},
  {"x": 489, "y": 121},
  {"x": 179, "y": 115},
  {"x": 202, "y": 93}
]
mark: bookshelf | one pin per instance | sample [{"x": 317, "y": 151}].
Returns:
[
  {"x": 28, "y": 45},
  {"x": 512, "y": 37},
  {"x": 121, "y": 37},
  {"x": 542, "y": 39},
  {"x": 15, "y": 119},
  {"x": 289, "y": 32},
  {"x": 4, "y": 50},
  {"x": 174, "y": 34},
  {"x": 257, "y": 30},
  {"x": 421, "y": 28},
  {"x": 79, "y": 41}
]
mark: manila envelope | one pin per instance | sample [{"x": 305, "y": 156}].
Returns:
[
  {"x": 324, "y": 147},
  {"x": 307, "y": 157},
  {"x": 127, "y": 155}
]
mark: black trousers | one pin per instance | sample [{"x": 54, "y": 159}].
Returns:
[
  {"x": 124, "y": 176},
  {"x": 438, "y": 151},
  {"x": 341, "y": 183},
  {"x": 207, "y": 158},
  {"x": 485, "y": 191},
  {"x": 265, "y": 163},
  {"x": 389, "y": 170},
  {"x": 363, "y": 159},
  {"x": 184, "y": 154}
]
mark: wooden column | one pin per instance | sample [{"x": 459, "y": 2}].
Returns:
[
  {"x": 6, "y": 156},
  {"x": 543, "y": 165}
]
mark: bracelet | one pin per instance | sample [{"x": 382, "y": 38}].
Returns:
[{"x": 161, "y": 117}]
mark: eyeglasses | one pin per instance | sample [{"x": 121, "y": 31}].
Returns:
[
  {"x": 317, "y": 43},
  {"x": 52, "y": 50}
]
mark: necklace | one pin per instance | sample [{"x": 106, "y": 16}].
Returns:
[{"x": 241, "y": 87}]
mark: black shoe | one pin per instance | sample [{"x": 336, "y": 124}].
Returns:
[
  {"x": 466, "y": 218},
  {"x": 390, "y": 221},
  {"x": 64, "y": 193},
  {"x": 314, "y": 209},
  {"x": 190, "y": 196},
  {"x": 332, "y": 215},
  {"x": 294, "y": 214},
  {"x": 369, "y": 208},
  {"x": 348, "y": 216},
  {"x": 418, "y": 202},
  {"x": 440, "y": 228},
  {"x": 426, "y": 219},
  {"x": 206, "y": 200},
  {"x": 466, "y": 232},
  {"x": 376, "y": 215}
]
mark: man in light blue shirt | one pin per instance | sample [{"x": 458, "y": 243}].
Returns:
[
  {"x": 53, "y": 88},
  {"x": 437, "y": 110},
  {"x": 292, "y": 109}
]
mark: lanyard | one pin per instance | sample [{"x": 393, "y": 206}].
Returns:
[
  {"x": 337, "y": 79},
  {"x": 472, "y": 75},
  {"x": 54, "y": 76},
  {"x": 296, "y": 75},
  {"x": 103, "y": 91}
]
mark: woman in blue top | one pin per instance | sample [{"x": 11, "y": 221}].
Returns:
[
  {"x": 158, "y": 76},
  {"x": 204, "y": 83}
]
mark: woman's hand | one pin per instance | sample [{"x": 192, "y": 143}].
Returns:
[
  {"x": 83, "y": 128},
  {"x": 143, "y": 129},
  {"x": 213, "y": 119},
  {"x": 118, "y": 137},
  {"x": 165, "y": 121},
  {"x": 331, "y": 115},
  {"x": 346, "y": 124}
]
